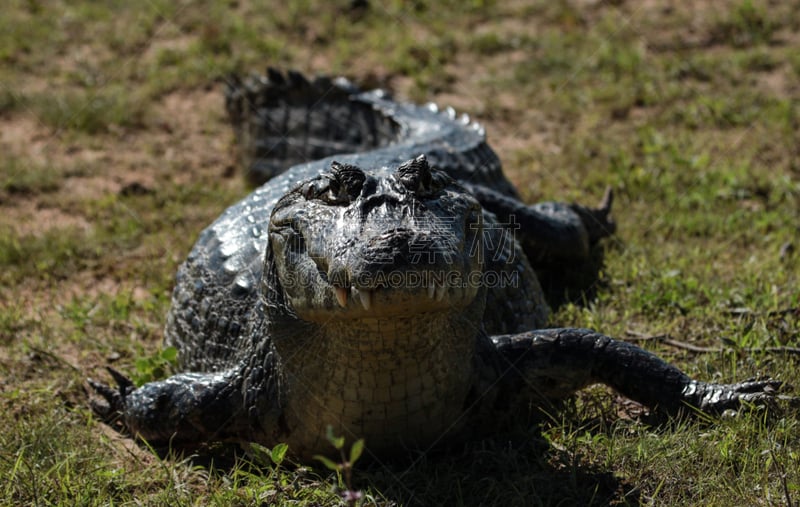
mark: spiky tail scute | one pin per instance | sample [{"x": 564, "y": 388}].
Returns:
[{"x": 282, "y": 120}]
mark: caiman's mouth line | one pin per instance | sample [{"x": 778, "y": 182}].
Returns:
[{"x": 434, "y": 291}]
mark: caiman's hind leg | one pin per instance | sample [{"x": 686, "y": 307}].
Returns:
[
  {"x": 552, "y": 364},
  {"x": 560, "y": 240}
]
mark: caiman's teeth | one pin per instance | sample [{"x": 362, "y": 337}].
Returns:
[
  {"x": 440, "y": 290},
  {"x": 366, "y": 298},
  {"x": 431, "y": 290},
  {"x": 341, "y": 296}
]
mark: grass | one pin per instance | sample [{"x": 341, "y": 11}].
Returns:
[
  {"x": 688, "y": 112},
  {"x": 89, "y": 112},
  {"x": 20, "y": 177}
]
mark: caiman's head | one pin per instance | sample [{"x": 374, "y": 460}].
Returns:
[
  {"x": 348, "y": 244},
  {"x": 375, "y": 304}
]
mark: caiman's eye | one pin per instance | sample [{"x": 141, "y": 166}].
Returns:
[
  {"x": 334, "y": 191},
  {"x": 325, "y": 189},
  {"x": 311, "y": 190},
  {"x": 419, "y": 177},
  {"x": 340, "y": 186}
]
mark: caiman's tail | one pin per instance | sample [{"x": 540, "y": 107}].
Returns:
[
  {"x": 282, "y": 120},
  {"x": 285, "y": 119}
]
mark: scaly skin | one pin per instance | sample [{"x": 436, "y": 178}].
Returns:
[{"x": 383, "y": 282}]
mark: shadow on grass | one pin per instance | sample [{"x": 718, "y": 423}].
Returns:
[
  {"x": 518, "y": 470},
  {"x": 571, "y": 283}
]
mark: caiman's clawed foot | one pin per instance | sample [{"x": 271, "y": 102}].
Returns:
[
  {"x": 598, "y": 221},
  {"x": 558, "y": 362},
  {"x": 112, "y": 405},
  {"x": 717, "y": 398}
]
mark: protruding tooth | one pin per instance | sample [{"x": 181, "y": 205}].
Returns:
[
  {"x": 440, "y": 290},
  {"x": 432, "y": 107},
  {"x": 465, "y": 119},
  {"x": 366, "y": 298},
  {"x": 431, "y": 290},
  {"x": 450, "y": 112},
  {"x": 341, "y": 296}
]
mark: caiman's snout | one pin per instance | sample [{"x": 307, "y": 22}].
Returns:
[
  {"x": 429, "y": 265},
  {"x": 379, "y": 244}
]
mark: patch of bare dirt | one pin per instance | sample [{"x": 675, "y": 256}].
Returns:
[
  {"x": 186, "y": 138},
  {"x": 29, "y": 218},
  {"x": 25, "y": 136},
  {"x": 87, "y": 284},
  {"x": 126, "y": 449},
  {"x": 777, "y": 83},
  {"x": 194, "y": 134},
  {"x": 170, "y": 39},
  {"x": 189, "y": 136}
]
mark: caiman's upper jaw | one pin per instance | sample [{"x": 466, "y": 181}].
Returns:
[
  {"x": 404, "y": 268},
  {"x": 349, "y": 287}
]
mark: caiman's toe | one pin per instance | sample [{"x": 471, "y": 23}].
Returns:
[
  {"x": 598, "y": 221},
  {"x": 111, "y": 403},
  {"x": 126, "y": 385},
  {"x": 768, "y": 392},
  {"x": 765, "y": 393},
  {"x": 103, "y": 408},
  {"x": 764, "y": 386}
]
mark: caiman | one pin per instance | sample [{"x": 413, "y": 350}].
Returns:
[{"x": 384, "y": 280}]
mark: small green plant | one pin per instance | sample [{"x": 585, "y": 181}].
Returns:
[
  {"x": 155, "y": 367},
  {"x": 264, "y": 455},
  {"x": 344, "y": 469}
]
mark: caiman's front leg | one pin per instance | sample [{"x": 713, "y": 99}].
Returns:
[
  {"x": 184, "y": 410},
  {"x": 551, "y": 232},
  {"x": 554, "y": 363}
]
